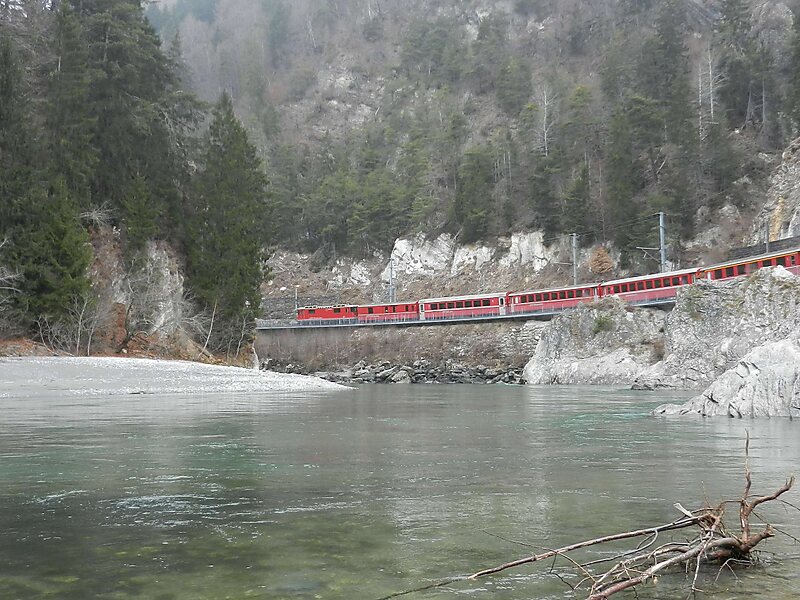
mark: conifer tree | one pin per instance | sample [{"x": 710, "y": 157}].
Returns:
[
  {"x": 228, "y": 220},
  {"x": 131, "y": 98},
  {"x": 52, "y": 252},
  {"x": 623, "y": 180},
  {"x": 472, "y": 204},
  {"x": 69, "y": 120}
]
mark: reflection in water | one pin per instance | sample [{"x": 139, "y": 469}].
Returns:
[{"x": 359, "y": 493}]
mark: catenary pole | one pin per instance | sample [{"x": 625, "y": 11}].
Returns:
[{"x": 662, "y": 234}]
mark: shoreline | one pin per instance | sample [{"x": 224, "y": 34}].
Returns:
[{"x": 30, "y": 376}]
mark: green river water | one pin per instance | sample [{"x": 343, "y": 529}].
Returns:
[{"x": 361, "y": 493}]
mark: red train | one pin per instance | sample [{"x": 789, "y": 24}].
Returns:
[{"x": 646, "y": 289}]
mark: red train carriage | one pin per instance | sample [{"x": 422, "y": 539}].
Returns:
[
  {"x": 382, "y": 313},
  {"x": 549, "y": 300},
  {"x": 315, "y": 315},
  {"x": 460, "y": 307},
  {"x": 790, "y": 259},
  {"x": 648, "y": 288}
]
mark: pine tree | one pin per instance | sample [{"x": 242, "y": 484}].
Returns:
[
  {"x": 133, "y": 98},
  {"x": 623, "y": 180},
  {"x": 52, "y": 251},
  {"x": 70, "y": 123},
  {"x": 577, "y": 216},
  {"x": 141, "y": 215},
  {"x": 472, "y": 207},
  {"x": 228, "y": 220},
  {"x": 18, "y": 163}
]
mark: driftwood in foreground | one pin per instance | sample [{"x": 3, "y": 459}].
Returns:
[{"x": 711, "y": 543}]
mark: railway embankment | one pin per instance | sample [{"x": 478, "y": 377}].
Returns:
[{"x": 462, "y": 353}]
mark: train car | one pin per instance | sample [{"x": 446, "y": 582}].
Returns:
[
  {"x": 320, "y": 315},
  {"x": 789, "y": 259},
  {"x": 648, "y": 288},
  {"x": 392, "y": 313},
  {"x": 462, "y": 307},
  {"x": 550, "y": 300}
]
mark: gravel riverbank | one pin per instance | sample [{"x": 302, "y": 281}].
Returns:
[{"x": 92, "y": 376}]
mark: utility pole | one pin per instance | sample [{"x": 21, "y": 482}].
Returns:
[
  {"x": 766, "y": 237},
  {"x": 574, "y": 259},
  {"x": 662, "y": 233}
]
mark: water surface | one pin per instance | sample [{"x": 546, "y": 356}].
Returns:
[{"x": 360, "y": 493}]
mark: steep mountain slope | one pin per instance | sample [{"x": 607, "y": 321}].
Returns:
[{"x": 379, "y": 119}]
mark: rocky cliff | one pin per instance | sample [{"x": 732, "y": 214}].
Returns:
[
  {"x": 780, "y": 215},
  {"x": 715, "y": 324},
  {"x": 737, "y": 340}
]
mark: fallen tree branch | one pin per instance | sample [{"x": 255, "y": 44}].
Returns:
[{"x": 712, "y": 544}]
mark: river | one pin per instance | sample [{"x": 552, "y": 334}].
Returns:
[{"x": 360, "y": 493}]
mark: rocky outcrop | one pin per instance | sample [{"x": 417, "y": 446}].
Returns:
[
  {"x": 765, "y": 383},
  {"x": 781, "y": 212},
  {"x": 606, "y": 342},
  {"x": 715, "y": 324}
]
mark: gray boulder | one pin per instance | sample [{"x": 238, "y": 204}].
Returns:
[
  {"x": 766, "y": 382},
  {"x": 605, "y": 342}
]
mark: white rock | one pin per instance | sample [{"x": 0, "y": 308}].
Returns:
[
  {"x": 527, "y": 250},
  {"x": 470, "y": 257},
  {"x": 766, "y": 382}
]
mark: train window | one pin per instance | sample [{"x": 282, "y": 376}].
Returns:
[
  {"x": 729, "y": 272},
  {"x": 640, "y": 285},
  {"x": 793, "y": 259},
  {"x": 740, "y": 269},
  {"x": 312, "y": 311},
  {"x": 459, "y": 304},
  {"x": 718, "y": 274},
  {"x": 451, "y": 305},
  {"x": 337, "y": 310},
  {"x": 781, "y": 260},
  {"x": 370, "y": 310},
  {"x": 485, "y": 302}
]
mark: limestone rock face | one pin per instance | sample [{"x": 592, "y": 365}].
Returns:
[
  {"x": 766, "y": 382},
  {"x": 605, "y": 342},
  {"x": 715, "y": 324},
  {"x": 781, "y": 213}
]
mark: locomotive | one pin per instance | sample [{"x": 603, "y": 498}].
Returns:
[{"x": 658, "y": 288}]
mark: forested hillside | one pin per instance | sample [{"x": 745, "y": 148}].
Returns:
[
  {"x": 478, "y": 117},
  {"x": 98, "y": 131}
]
